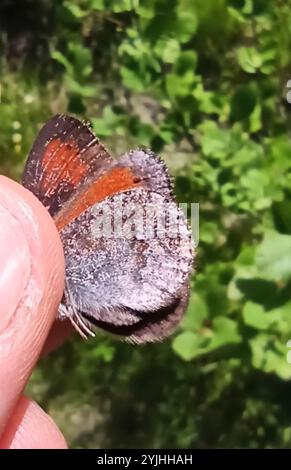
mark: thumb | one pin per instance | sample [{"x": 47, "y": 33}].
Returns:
[{"x": 31, "y": 285}]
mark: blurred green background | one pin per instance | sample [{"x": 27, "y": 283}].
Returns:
[{"x": 203, "y": 83}]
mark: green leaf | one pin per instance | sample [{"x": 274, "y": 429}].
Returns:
[
  {"x": 119, "y": 6},
  {"x": 254, "y": 315},
  {"x": 97, "y": 4},
  {"x": 225, "y": 331},
  {"x": 62, "y": 59},
  {"x": 143, "y": 132},
  {"x": 132, "y": 79},
  {"x": 273, "y": 259},
  {"x": 187, "y": 345},
  {"x": 256, "y": 119},
  {"x": 196, "y": 313},
  {"x": 186, "y": 62},
  {"x": 168, "y": 50},
  {"x": 75, "y": 10},
  {"x": 249, "y": 59},
  {"x": 209, "y": 102},
  {"x": 256, "y": 182},
  {"x": 178, "y": 87},
  {"x": 109, "y": 124},
  {"x": 187, "y": 22},
  {"x": 82, "y": 59},
  {"x": 270, "y": 355},
  {"x": 77, "y": 88},
  {"x": 215, "y": 142}
]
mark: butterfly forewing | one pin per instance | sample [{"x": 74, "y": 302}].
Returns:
[{"x": 65, "y": 155}]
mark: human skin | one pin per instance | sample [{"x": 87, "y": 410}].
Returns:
[{"x": 31, "y": 286}]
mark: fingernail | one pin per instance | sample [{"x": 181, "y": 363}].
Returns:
[{"x": 15, "y": 265}]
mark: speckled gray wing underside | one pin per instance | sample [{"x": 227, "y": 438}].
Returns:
[
  {"x": 151, "y": 170},
  {"x": 132, "y": 282}
]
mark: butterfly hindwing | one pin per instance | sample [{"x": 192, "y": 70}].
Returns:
[
  {"x": 127, "y": 257},
  {"x": 150, "y": 170},
  {"x": 149, "y": 327}
]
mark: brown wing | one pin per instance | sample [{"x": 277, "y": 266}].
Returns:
[{"x": 65, "y": 155}]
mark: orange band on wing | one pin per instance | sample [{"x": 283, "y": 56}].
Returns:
[
  {"x": 62, "y": 160},
  {"x": 116, "y": 180}
]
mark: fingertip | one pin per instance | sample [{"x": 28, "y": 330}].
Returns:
[
  {"x": 31, "y": 428},
  {"x": 31, "y": 286},
  {"x": 42, "y": 259}
]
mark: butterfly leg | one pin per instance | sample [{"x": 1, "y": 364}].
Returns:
[
  {"x": 76, "y": 319},
  {"x": 81, "y": 326}
]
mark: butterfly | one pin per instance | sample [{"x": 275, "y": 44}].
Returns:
[{"x": 126, "y": 280}]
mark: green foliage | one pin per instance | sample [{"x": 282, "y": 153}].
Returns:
[{"x": 204, "y": 83}]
